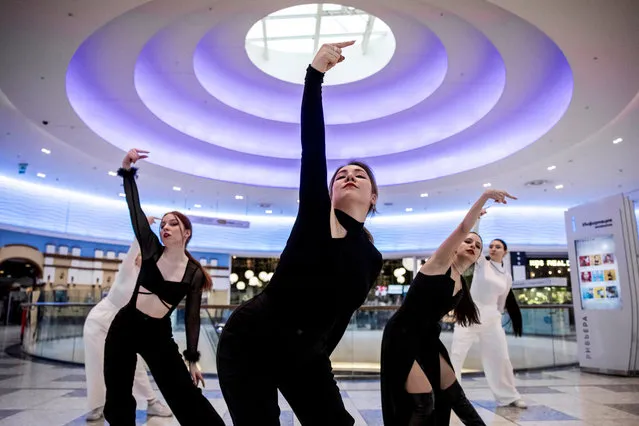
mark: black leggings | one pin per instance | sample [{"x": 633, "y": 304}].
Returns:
[
  {"x": 133, "y": 332},
  {"x": 250, "y": 387}
]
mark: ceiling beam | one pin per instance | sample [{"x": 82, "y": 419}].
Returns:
[
  {"x": 313, "y": 15},
  {"x": 318, "y": 26},
  {"x": 310, "y": 36},
  {"x": 265, "y": 39},
  {"x": 367, "y": 33}
]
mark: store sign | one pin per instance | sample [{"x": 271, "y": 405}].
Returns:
[{"x": 554, "y": 263}]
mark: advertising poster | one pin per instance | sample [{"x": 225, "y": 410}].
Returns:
[{"x": 598, "y": 273}]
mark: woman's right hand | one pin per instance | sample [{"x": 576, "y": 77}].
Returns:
[
  {"x": 329, "y": 55},
  {"x": 498, "y": 195},
  {"x": 133, "y": 156}
]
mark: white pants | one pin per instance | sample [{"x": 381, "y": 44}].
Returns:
[
  {"x": 96, "y": 327},
  {"x": 494, "y": 356}
]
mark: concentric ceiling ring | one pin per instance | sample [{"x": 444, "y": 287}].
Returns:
[{"x": 472, "y": 119}]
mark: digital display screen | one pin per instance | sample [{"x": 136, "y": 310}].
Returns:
[{"x": 598, "y": 273}]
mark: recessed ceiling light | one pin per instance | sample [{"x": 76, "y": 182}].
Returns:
[
  {"x": 41, "y": 175},
  {"x": 552, "y": 167},
  {"x": 618, "y": 140},
  {"x": 559, "y": 186},
  {"x": 112, "y": 173},
  {"x": 197, "y": 206},
  {"x": 239, "y": 197},
  {"x": 409, "y": 209},
  {"x": 122, "y": 194},
  {"x": 46, "y": 151},
  {"x": 177, "y": 188},
  {"x": 488, "y": 184},
  {"x": 268, "y": 211},
  {"x": 424, "y": 194}
]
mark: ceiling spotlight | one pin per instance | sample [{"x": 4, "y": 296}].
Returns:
[
  {"x": 177, "y": 188},
  {"x": 41, "y": 175},
  {"x": 46, "y": 151},
  {"x": 424, "y": 195},
  {"x": 122, "y": 194},
  {"x": 197, "y": 206},
  {"x": 551, "y": 168},
  {"x": 618, "y": 140},
  {"x": 239, "y": 197},
  {"x": 409, "y": 209},
  {"x": 559, "y": 187},
  {"x": 268, "y": 211},
  {"x": 487, "y": 185},
  {"x": 112, "y": 173}
]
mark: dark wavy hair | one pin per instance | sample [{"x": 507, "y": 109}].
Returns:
[{"x": 466, "y": 312}]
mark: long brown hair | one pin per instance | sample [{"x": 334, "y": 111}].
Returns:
[
  {"x": 466, "y": 311},
  {"x": 208, "y": 283},
  {"x": 372, "y": 209}
]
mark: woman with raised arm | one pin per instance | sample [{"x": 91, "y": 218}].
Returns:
[
  {"x": 293, "y": 326},
  {"x": 96, "y": 327},
  {"x": 168, "y": 273},
  {"x": 418, "y": 383},
  {"x": 491, "y": 290}
]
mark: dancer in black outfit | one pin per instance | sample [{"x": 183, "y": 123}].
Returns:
[
  {"x": 294, "y": 325},
  {"x": 418, "y": 383},
  {"x": 143, "y": 326}
]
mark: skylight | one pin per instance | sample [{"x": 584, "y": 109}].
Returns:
[{"x": 301, "y": 30}]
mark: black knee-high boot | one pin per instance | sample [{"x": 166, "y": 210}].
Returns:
[
  {"x": 423, "y": 406},
  {"x": 461, "y": 405}
]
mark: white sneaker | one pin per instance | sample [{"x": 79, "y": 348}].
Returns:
[
  {"x": 157, "y": 408},
  {"x": 95, "y": 414},
  {"x": 519, "y": 404}
]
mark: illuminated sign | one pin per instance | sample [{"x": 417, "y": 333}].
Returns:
[{"x": 554, "y": 263}]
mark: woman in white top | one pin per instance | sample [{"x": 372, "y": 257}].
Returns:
[
  {"x": 96, "y": 327},
  {"x": 491, "y": 291}
]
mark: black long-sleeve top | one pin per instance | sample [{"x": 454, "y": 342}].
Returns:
[
  {"x": 170, "y": 293},
  {"x": 320, "y": 281}
]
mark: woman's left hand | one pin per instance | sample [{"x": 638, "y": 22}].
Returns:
[{"x": 196, "y": 374}]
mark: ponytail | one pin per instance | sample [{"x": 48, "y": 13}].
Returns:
[
  {"x": 466, "y": 311},
  {"x": 208, "y": 282}
]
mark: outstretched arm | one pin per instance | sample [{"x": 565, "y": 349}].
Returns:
[
  {"x": 313, "y": 190},
  {"x": 443, "y": 256},
  {"x": 149, "y": 243}
]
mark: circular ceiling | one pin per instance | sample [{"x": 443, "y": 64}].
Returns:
[{"x": 185, "y": 87}]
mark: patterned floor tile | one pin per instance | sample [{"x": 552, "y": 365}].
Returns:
[
  {"x": 628, "y": 408},
  {"x": 7, "y": 413},
  {"x": 525, "y": 390},
  {"x": 72, "y": 378}
]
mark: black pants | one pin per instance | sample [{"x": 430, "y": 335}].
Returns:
[
  {"x": 133, "y": 332},
  {"x": 253, "y": 363}
]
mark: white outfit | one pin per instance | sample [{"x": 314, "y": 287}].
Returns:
[
  {"x": 96, "y": 327},
  {"x": 490, "y": 287}
]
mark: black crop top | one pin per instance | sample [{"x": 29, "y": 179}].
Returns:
[
  {"x": 169, "y": 292},
  {"x": 320, "y": 281}
]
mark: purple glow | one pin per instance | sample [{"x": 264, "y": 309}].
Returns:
[
  {"x": 417, "y": 69},
  {"x": 454, "y": 107},
  {"x": 468, "y": 122}
]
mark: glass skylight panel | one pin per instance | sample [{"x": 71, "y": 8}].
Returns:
[{"x": 294, "y": 27}]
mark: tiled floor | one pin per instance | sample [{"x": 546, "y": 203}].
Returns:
[{"x": 33, "y": 393}]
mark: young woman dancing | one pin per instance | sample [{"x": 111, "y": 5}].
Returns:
[
  {"x": 491, "y": 290},
  {"x": 417, "y": 381},
  {"x": 143, "y": 326},
  {"x": 296, "y": 322},
  {"x": 96, "y": 327}
]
